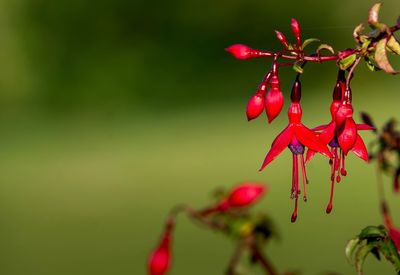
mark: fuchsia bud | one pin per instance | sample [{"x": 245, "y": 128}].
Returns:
[
  {"x": 296, "y": 30},
  {"x": 160, "y": 258},
  {"x": 255, "y": 106},
  {"x": 240, "y": 51},
  {"x": 245, "y": 194},
  {"x": 274, "y": 99},
  {"x": 281, "y": 37}
]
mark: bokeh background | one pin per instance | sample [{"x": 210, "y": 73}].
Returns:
[{"x": 111, "y": 112}]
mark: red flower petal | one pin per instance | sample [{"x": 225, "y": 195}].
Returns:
[
  {"x": 359, "y": 149},
  {"x": 365, "y": 127},
  {"x": 279, "y": 144},
  {"x": 347, "y": 135},
  {"x": 310, "y": 140},
  {"x": 328, "y": 134},
  {"x": 310, "y": 155},
  {"x": 320, "y": 127}
]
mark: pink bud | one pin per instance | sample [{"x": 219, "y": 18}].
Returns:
[
  {"x": 240, "y": 51},
  {"x": 274, "y": 99},
  {"x": 160, "y": 258},
  {"x": 296, "y": 30},
  {"x": 281, "y": 37},
  {"x": 255, "y": 106},
  {"x": 245, "y": 194},
  {"x": 347, "y": 135}
]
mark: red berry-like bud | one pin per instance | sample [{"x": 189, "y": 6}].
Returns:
[
  {"x": 296, "y": 30},
  {"x": 160, "y": 258},
  {"x": 240, "y": 51},
  {"x": 347, "y": 135},
  {"x": 245, "y": 194},
  {"x": 274, "y": 99},
  {"x": 255, "y": 106},
  {"x": 281, "y": 37}
]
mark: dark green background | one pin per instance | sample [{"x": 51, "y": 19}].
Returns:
[{"x": 111, "y": 112}]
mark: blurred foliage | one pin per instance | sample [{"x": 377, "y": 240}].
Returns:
[{"x": 372, "y": 240}]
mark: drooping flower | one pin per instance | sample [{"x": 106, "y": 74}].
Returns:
[
  {"x": 296, "y": 137},
  {"x": 160, "y": 258},
  {"x": 341, "y": 134}
]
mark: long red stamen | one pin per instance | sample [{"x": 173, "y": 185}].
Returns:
[
  {"x": 330, "y": 205},
  {"x": 294, "y": 214},
  {"x": 305, "y": 180},
  {"x": 292, "y": 194},
  {"x": 296, "y": 186},
  {"x": 337, "y": 166},
  {"x": 332, "y": 164},
  {"x": 343, "y": 171}
]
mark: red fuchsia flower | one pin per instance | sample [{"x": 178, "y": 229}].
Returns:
[
  {"x": 274, "y": 98},
  {"x": 160, "y": 259},
  {"x": 241, "y": 51},
  {"x": 240, "y": 196},
  {"x": 341, "y": 137},
  {"x": 296, "y": 137}
]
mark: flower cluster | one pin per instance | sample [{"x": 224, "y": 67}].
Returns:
[{"x": 333, "y": 140}]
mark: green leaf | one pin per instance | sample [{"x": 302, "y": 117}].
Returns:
[
  {"x": 372, "y": 232},
  {"x": 350, "y": 248},
  {"x": 393, "y": 45},
  {"x": 325, "y": 47},
  {"x": 347, "y": 62},
  {"x": 370, "y": 62},
  {"x": 381, "y": 57},
  {"x": 308, "y": 41},
  {"x": 360, "y": 256},
  {"x": 389, "y": 250},
  {"x": 298, "y": 68}
]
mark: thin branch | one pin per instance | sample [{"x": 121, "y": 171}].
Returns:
[
  {"x": 233, "y": 263},
  {"x": 262, "y": 259}
]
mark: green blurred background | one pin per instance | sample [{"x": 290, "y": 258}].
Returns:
[{"x": 111, "y": 112}]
